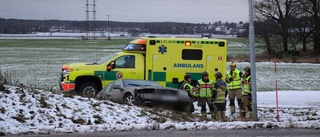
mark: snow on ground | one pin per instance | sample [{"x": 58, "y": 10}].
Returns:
[{"x": 31, "y": 111}]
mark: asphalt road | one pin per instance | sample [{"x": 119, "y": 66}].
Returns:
[{"x": 196, "y": 133}]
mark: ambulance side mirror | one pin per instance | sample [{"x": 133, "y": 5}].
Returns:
[{"x": 111, "y": 66}]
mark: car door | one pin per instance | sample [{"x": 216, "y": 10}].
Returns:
[
  {"x": 126, "y": 67},
  {"x": 105, "y": 91},
  {"x": 116, "y": 91}
]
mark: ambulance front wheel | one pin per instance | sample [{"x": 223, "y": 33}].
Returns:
[{"x": 88, "y": 89}]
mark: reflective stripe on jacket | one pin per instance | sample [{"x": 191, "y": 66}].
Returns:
[
  {"x": 236, "y": 82},
  {"x": 221, "y": 98},
  {"x": 205, "y": 89},
  {"x": 246, "y": 86},
  {"x": 189, "y": 88}
]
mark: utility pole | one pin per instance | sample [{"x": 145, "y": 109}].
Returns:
[
  {"x": 252, "y": 63},
  {"x": 94, "y": 19},
  {"x": 87, "y": 20},
  {"x": 108, "y": 27},
  {"x": 90, "y": 25}
]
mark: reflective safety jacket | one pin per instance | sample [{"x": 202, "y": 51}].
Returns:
[
  {"x": 220, "y": 87},
  {"x": 234, "y": 83},
  {"x": 246, "y": 85},
  {"x": 205, "y": 88},
  {"x": 189, "y": 88}
]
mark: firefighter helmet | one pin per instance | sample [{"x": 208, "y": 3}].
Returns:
[
  {"x": 247, "y": 69},
  {"x": 218, "y": 75},
  {"x": 205, "y": 73},
  {"x": 187, "y": 76},
  {"x": 233, "y": 64}
]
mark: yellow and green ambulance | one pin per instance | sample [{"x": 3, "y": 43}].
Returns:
[{"x": 164, "y": 60}]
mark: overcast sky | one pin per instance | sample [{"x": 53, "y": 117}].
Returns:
[{"x": 193, "y": 11}]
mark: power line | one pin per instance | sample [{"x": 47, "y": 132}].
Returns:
[
  {"x": 193, "y": 11},
  {"x": 89, "y": 25},
  {"x": 175, "y": 5}
]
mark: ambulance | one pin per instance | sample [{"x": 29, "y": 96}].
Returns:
[{"x": 164, "y": 60}]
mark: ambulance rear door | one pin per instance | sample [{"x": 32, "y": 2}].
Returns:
[{"x": 214, "y": 64}]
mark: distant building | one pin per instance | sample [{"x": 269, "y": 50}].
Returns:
[{"x": 57, "y": 29}]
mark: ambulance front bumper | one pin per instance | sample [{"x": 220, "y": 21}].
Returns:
[{"x": 67, "y": 86}]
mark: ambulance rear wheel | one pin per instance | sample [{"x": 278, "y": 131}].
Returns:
[{"x": 88, "y": 89}]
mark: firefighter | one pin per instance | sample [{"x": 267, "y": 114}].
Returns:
[
  {"x": 186, "y": 85},
  {"x": 204, "y": 92},
  {"x": 219, "y": 94},
  {"x": 234, "y": 86},
  {"x": 246, "y": 96}
]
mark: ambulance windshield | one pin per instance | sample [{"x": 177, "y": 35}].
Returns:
[{"x": 105, "y": 59}]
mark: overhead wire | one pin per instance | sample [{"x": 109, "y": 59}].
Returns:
[{"x": 137, "y": 7}]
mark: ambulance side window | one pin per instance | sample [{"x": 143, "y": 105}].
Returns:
[
  {"x": 127, "y": 61},
  {"x": 196, "y": 54}
]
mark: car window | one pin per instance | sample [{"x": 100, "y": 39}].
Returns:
[
  {"x": 127, "y": 61},
  {"x": 118, "y": 82},
  {"x": 129, "y": 83},
  {"x": 108, "y": 88}
]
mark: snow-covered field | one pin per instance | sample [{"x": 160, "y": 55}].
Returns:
[{"x": 31, "y": 111}]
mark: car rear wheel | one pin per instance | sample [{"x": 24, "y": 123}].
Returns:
[
  {"x": 128, "y": 98},
  {"x": 88, "y": 89}
]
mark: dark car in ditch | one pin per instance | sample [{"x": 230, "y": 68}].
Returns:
[{"x": 146, "y": 93}]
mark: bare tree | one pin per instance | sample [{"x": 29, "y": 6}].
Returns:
[
  {"x": 312, "y": 8},
  {"x": 281, "y": 11},
  {"x": 303, "y": 30},
  {"x": 267, "y": 30}
]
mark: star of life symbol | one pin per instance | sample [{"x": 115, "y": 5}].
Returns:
[
  {"x": 119, "y": 75},
  {"x": 162, "y": 49}
]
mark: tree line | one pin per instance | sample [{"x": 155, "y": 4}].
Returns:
[
  {"x": 284, "y": 24},
  {"x": 19, "y": 26}
]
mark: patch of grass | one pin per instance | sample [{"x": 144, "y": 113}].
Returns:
[
  {"x": 32, "y": 117},
  {"x": 43, "y": 103},
  {"x": 65, "y": 106},
  {"x": 19, "y": 118},
  {"x": 22, "y": 97},
  {"x": 78, "y": 121},
  {"x": 159, "y": 119},
  {"x": 2, "y": 88},
  {"x": 95, "y": 105},
  {"x": 2, "y": 110},
  {"x": 7, "y": 91},
  {"x": 61, "y": 115},
  {"x": 98, "y": 119},
  {"x": 69, "y": 94},
  {"x": 107, "y": 103},
  {"x": 271, "y": 110},
  {"x": 32, "y": 124}
]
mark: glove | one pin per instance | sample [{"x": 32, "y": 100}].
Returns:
[{"x": 249, "y": 96}]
